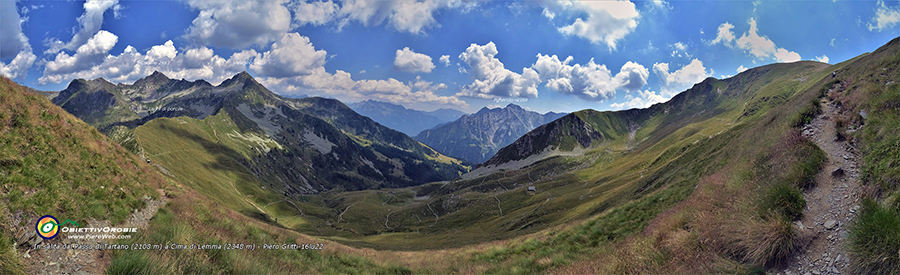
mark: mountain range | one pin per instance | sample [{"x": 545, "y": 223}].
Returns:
[
  {"x": 740, "y": 175},
  {"x": 477, "y": 137},
  {"x": 299, "y": 146},
  {"x": 399, "y": 118}
]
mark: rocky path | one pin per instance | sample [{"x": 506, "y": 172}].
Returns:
[{"x": 831, "y": 205}]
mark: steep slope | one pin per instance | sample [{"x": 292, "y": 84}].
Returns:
[
  {"x": 650, "y": 159},
  {"x": 751, "y": 92},
  {"x": 52, "y": 163},
  {"x": 478, "y": 136},
  {"x": 407, "y": 121},
  {"x": 296, "y": 146}
]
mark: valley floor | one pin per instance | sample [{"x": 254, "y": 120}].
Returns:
[{"x": 832, "y": 204}]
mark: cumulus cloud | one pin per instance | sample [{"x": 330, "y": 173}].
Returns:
[
  {"x": 724, "y": 35},
  {"x": 12, "y": 40},
  {"x": 403, "y": 15},
  {"x": 885, "y": 17},
  {"x": 238, "y": 23},
  {"x": 315, "y": 12},
  {"x": 643, "y": 99},
  {"x": 589, "y": 81},
  {"x": 741, "y": 69},
  {"x": 823, "y": 58},
  {"x": 13, "y": 43},
  {"x": 293, "y": 54},
  {"x": 90, "y": 22},
  {"x": 132, "y": 65},
  {"x": 606, "y": 22},
  {"x": 409, "y": 61},
  {"x": 91, "y": 53},
  {"x": 446, "y": 60},
  {"x": 492, "y": 79},
  {"x": 341, "y": 85},
  {"x": 675, "y": 82},
  {"x": 19, "y": 66},
  {"x": 754, "y": 44}
]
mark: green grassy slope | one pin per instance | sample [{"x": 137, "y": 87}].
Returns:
[
  {"x": 51, "y": 163},
  {"x": 617, "y": 170}
]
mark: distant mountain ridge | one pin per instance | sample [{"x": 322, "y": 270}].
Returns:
[
  {"x": 300, "y": 146},
  {"x": 587, "y": 128},
  {"x": 477, "y": 137},
  {"x": 397, "y": 117}
]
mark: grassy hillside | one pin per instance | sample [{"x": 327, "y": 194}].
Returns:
[
  {"x": 51, "y": 163},
  {"x": 639, "y": 161}
]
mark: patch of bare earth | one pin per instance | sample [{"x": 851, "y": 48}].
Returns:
[{"x": 831, "y": 205}]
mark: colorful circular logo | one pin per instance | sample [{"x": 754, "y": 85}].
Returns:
[{"x": 47, "y": 226}]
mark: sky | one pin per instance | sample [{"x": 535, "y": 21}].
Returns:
[{"x": 560, "y": 56}]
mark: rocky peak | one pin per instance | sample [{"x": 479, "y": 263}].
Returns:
[
  {"x": 155, "y": 79},
  {"x": 243, "y": 78}
]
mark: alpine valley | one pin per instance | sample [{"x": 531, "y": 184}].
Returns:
[{"x": 782, "y": 168}]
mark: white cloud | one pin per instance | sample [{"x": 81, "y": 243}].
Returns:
[
  {"x": 315, "y": 12},
  {"x": 90, "y": 22},
  {"x": 823, "y": 58},
  {"x": 403, "y": 15},
  {"x": 292, "y": 55},
  {"x": 754, "y": 44},
  {"x": 166, "y": 50},
  {"x": 12, "y": 40},
  {"x": 679, "y": 50},
  {"x": 782, "y": 55},
  {"x": 643, "y": 100},
  {"x": 590, "y": 81},
  {"x": 549, "y": 14},
  {"x": 492, "y": 79},
  {"x": 409, "y": 61},
  {"x": 885, "y": 17},
  {"x": 86, "y": 56},
  {"x": 131, "y": 65},
  {"x": 741, "y": 69},
  {"x": 632, "y": 76},
  {"x": 238, "y": 23},
  {"x": 724, "y": 35},
  {"x": 675, "y": 82},
  {"x": 342, "y": 86},
  {"x": 606, "y": 23},
  {"x": 445, "y": 59},
  {"x": 13, "y": 43},
  {"x": 19, "y": 66}
]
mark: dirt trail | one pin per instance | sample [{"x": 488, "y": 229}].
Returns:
[{"x": 831, "y": 205}]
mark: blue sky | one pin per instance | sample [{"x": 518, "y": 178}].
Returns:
[{"x": 544, "y": 55}]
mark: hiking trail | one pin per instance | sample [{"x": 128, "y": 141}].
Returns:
[{"x": 831, "y": 205}]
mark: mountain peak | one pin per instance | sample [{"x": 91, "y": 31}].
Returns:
[
  {"x": 156, "y": 78},
  {"x": 242, "y": 77}
]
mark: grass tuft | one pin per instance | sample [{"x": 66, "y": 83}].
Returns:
[
  {"x": 770, "y": 242},
  {"x": 782, "y": 200},
  {"x": 875, "y": 241}
]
